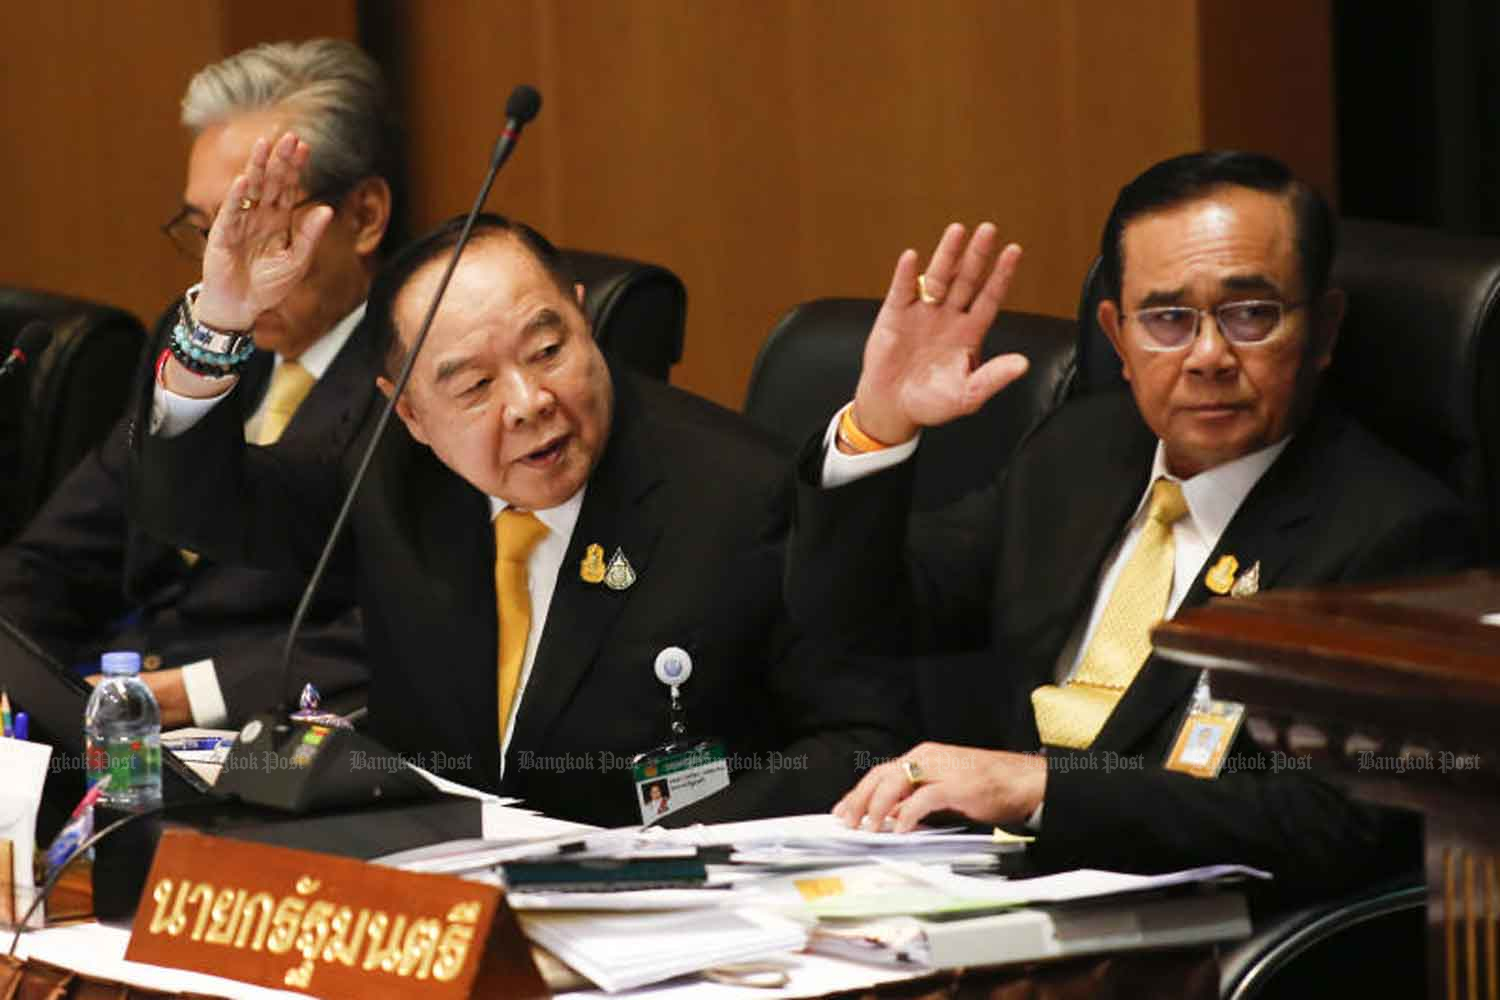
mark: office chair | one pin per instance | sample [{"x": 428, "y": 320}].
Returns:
[
  {"x": 639, "y": 310},
  {"x": 68, "y": 398},
  {"x": 810, "y": 363}
]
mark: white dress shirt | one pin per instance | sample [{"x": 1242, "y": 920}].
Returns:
[{"x": 172, "y": 415}]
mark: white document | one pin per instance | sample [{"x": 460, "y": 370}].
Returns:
[
  {"x": 23, "y": 772},
  {"x": 618, "y": 951}
]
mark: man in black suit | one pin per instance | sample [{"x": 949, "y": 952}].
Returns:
[
  {"x": 1220, "y": 471},
  {"x": 651, "y": 520},
  {"x": 83, "y": 577}
]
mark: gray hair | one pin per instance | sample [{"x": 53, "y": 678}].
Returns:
[{"x": 333, "y": 91}]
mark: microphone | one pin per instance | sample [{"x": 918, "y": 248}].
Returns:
[
  {"x": 30, "y": 343},
  {"x": 297, "y": 786}
]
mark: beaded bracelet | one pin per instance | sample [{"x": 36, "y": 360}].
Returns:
[{"x": 206, "y": 351}]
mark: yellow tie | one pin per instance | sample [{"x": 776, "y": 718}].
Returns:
[
  {"x": 290, "y": 384},
  {"x": 517, "y": 532},
  {"x": 1072, "y": 715}
]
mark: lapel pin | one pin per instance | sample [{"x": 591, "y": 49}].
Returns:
[
  {"x": 1248, "y": 583},
  {"x": 1220, "y": 578},
  {"x": 591, "y": 570},
  {"x": 619, "y": 575}
]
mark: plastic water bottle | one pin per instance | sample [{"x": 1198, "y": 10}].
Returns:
[{"x": 122, "y": 735}]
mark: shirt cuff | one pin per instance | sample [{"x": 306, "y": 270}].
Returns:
[
  {"x": 172, "y": 414},
  {"x": 205, "y": 699},
  {"x": 1034, "y": 821},
  {"x": 839, "y": 468}
]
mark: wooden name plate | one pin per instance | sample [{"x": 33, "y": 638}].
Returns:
[{"x": 325, "y": 925}]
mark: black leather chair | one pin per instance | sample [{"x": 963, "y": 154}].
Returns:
[
  {"x": 810, "y": 363},
  {"x": 639, "y": 310},
  {"x": 68, "y": 398},
  {"x": 1417, "y": 362}
]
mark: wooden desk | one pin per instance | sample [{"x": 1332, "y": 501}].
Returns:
[{"x": 1395, "y": 690}]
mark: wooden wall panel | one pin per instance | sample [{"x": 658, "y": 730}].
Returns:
[
  {"x": 769, "y": 151},
  {"x": 94, "y": 160},
  {"x": 777, "y": 150}
]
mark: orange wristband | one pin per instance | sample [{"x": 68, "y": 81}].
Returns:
[{"x": 850, "y": 433}]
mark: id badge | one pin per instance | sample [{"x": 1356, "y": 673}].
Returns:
[
  {"x": 675, "y": 776},
  {"x": 1203, "y": 741}
]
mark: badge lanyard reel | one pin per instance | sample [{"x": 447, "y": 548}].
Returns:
[{"x": 677, "y": 773}]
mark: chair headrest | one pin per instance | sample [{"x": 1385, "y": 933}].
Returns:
[{"x": 638, "y": 310}]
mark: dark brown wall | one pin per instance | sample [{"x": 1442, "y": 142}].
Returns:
[{"x": 769, "y": 151}]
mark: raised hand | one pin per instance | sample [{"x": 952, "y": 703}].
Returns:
[
  {"x": 256, "y": 253},
  {"x": 921, "y": 359}
]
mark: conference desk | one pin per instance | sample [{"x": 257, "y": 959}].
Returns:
[{"x": 1395, "y": 690}]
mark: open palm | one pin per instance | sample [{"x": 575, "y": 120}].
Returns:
[
  {"x": 255, "y": 253},
  {"x": 921, "y": 361}
]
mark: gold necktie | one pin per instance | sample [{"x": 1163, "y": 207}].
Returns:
[
  {"x": 1072, "y": 715},
  {"x": 517, "y": 532},
  {"x": 290, "y": 384}
]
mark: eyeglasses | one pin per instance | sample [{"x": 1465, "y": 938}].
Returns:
[
  {"x": 191, "y": 239},
  {"x": 1243, "y": 324}
]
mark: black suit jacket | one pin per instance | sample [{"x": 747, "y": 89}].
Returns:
[
  {"x": 697, "y": 500},
  {"x": 1013, "y": 570},
  {"x": 84, "y": 577}
]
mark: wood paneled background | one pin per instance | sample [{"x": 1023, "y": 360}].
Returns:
[{"x": 769, "y": 151}]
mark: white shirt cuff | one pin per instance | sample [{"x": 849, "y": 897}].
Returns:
[
  {"x": 205, "y": 699},
  {"x": 839, "y": 469},
  {"x": 172, "y": 414}
]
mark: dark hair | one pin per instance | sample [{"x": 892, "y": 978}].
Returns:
[
  {"x": 380, "y": 316},
  {"x": 1186, "y": 178}
]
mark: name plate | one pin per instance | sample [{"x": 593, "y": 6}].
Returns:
[{"x": 325, "y": 925}]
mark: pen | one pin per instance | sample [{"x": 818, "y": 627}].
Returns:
[
  {"x": 196, "y": 743},
  {"x": 5, "y": 713},
  {"x": 21, "y": 727}
]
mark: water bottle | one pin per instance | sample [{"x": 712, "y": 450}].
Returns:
[{"x": 122, "y": 735}]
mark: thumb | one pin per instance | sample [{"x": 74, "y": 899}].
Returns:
[{"x": 990, "y": 377}]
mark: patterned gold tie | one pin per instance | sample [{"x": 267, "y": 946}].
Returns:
[
  {"x": 1073, "y": 715},
  {"x": 290, "y": 384},
  {"x": 517, "y": 532}
]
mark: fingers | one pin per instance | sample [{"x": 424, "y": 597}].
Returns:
[
  {"x": 903, "y": 290},
  {"x": 254, "y": 174},
  {"x": 973, "y": 267},
  {"x": 992, "y": 295},
  {"x": 942, "y": 269},
  {"x": 851, "y": 808},
  {"x": 917, "y": 806},
  {"x": 990, "y": 377},
  {"x": 283, "y": 173},
  {"x": 889, "y": 791}
]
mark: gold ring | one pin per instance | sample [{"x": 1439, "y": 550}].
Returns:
[
  {"x": 913, "y": 772},
  {"x": 246, "y": 204},
  {"x": 923, "y": 293}
]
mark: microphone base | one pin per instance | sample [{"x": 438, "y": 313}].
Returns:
[{"x": 299, "y": 767}]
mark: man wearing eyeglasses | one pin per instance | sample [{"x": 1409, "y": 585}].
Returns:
[
  {"x": 1219, "y": 471},
  {"x": 82, "y": 579}
]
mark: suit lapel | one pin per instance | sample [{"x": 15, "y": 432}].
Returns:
[
  {"x": 620, "y": 510},
  {"x": 1266, "y": 530}
]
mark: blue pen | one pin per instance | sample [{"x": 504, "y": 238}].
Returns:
[
  {"x": 196, "y": 743},
  {"x": 21, "y": 726}
]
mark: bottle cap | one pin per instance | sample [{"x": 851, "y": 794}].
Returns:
[{"x": 113, "y": 664}]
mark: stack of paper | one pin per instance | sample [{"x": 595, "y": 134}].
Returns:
[{"x": 619, "y": 951}]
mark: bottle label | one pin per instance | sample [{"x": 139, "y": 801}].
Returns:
[{"x": 130, "y": 764}]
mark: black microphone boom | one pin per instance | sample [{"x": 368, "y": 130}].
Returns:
[
  {"x": 30, "y": 343},
  {"x": 290, "y": 787}
]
